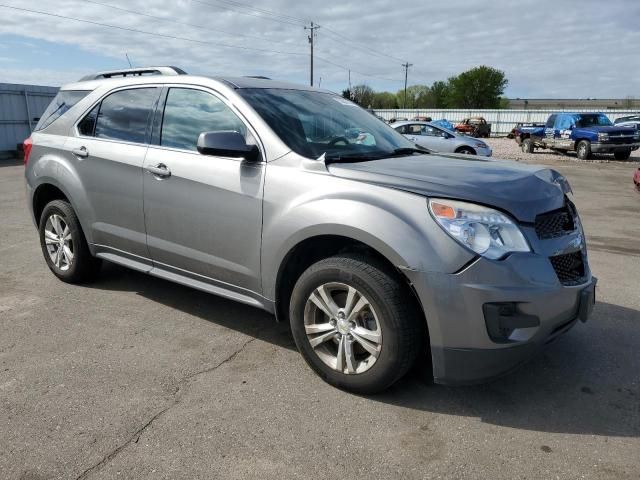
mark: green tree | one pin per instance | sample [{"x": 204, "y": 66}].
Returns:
[
  {"x": 384, "y": 100},
  {"x": 346, "y": 93},
  {"x": 439, "y": 94},
  {"x": 362, "y": 95},
  {"x": 480, "y": 87},
  {"x": 417, "y": 96}
]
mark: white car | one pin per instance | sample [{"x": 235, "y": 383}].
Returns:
[{"x": 438, "y": 139}]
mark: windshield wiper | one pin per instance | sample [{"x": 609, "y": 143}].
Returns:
[{"x": 410, "y": 150}]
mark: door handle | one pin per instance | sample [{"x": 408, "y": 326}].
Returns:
[
  {"x": 160, "y": 170},
  {"x": 81, "y": 152}
]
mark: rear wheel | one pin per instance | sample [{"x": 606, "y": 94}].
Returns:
[
  {"x": 527, "y": 145},
  {"x": 355, "y": 323},
  {"x": 63, "y": 244},
  {"x": 622, "y": 155},
  {"x": 583, "y": 150},
  {"x": 466, "y": 150}
]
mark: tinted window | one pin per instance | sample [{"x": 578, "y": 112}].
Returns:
[
  {"x": 124, "y": 115},
  {"x": 551, "y": 121},
  {"x": 88, "y": 124},
  {"x": 188, "y": 113},
  {"x": 565, "y": 122},
  {"x": 62, "y": 102}
]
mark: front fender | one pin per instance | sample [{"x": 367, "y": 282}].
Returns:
[{"x": 395, "y": 223}]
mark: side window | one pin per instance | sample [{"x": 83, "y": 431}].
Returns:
[
  {"x": 432, "y": 132},
  {"x": 402, "y": 129},
  {"x": 188, "y": 113},
  {"x": 63, "y": 101},
  {"x": 87, "y": 125},
  {"x": 124, "y": 115},
  {"x": 415, "y": 129},
  {"x": 551, "y": 121},
  {"x": 564, "y": 122}
]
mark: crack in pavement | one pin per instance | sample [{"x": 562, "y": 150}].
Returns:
[{"x": 138, "y": 433}]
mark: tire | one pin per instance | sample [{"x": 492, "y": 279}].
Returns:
[
  {"x": 388, "y": 315},
  {"x": 527, "y": 145},
  {"x": 622, "y": 155},
  {"x": 74, "y": 263},
  {"x": 466, "y": 151},
  {"x": 583, "y": 150}
]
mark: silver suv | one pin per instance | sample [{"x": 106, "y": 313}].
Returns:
[{"x": 299, "y": 202}]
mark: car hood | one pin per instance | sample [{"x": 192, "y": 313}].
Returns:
[{"x": 521, "y": 190}]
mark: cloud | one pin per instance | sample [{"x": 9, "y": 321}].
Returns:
[{"x": 547, "y": 48}]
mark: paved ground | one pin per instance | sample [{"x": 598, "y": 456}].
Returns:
[{"x": 134, "y": 377}]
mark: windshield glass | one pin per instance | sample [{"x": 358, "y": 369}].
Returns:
[
  {"x": 596, "y": 119},
  {"x": 312, "y": 123}
]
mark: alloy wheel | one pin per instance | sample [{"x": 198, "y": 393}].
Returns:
[
  {"x": 343, "y": 328},
  {"x": 57, "y": 238}
]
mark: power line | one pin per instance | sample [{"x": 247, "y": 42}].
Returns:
[
  {"x": 173, "y": 37},
  {"x": 193, "y": 40},
  {"x": 252, "y": 14},
  {"x": 169, "y": 20},
  {"x": 263, "y": 10},
  {"x": 361, "y": 46}
]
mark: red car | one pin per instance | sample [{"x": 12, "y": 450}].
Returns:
[
  {"x": 474, "y": 126},
  {"x": 636, "y": 178}
]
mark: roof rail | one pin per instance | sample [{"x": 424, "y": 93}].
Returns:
[{"x": 131, "y": 72}]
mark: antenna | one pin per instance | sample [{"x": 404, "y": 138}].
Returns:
[{"x": 127, "y": 55}]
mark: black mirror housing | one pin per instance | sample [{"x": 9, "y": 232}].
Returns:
[{"x": 227, "y": 144}]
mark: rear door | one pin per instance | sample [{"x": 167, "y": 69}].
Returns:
[
  {"x": 204, "y": 216},
  {"x": 108, "y": 153}
]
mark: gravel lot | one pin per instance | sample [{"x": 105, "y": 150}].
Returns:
[{"x": 135, "y": 377}]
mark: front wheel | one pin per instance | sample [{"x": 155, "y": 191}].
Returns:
[
  {"x": 466, "y": 151},
  {"x": 622, "y": 155},
  {"x": 583, "y": 150},
  {"x": 63, "y": 244},
  {"x": 527, "y": 145},
  {"x": 355, "y": 323}
]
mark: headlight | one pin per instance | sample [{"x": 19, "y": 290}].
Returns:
[
  {"x": 636, "y": 136},
  {"x": 603, "y": 137},
  {"x": 486, "y": 231},
  {"x": 481, "y": 145}
]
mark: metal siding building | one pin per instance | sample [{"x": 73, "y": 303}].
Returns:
[
  {"x": 19, "y": 105},
  {"x": 502, "y": 121}
]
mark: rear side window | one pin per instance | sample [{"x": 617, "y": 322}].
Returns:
[
  {"x": 188, "y": 113},
  {"x": 63, "y": 101},
  {"x": 123, "y": 115}
]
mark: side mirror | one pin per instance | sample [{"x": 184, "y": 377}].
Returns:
[{"x": 227, "y": 144}]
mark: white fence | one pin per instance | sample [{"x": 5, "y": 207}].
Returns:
[{"x": 502, "y": 121}]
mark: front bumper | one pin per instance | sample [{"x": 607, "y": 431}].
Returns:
[
  {"x": 487, "y": 152},
  {"x": 462, "y": 349},
  {"x": 613, "y": 147}
]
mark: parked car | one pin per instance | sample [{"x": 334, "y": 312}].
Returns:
[
  {"x": 584, "y": 133},
  {"x": 475, "y": 127},
  {"x": 629, "y": 118},
  {"x": 516, "y": 130},
  {"x": 421, "y": 119},
  {"x": 297, "y": 201},
  {"x": 438, "y": 139}
]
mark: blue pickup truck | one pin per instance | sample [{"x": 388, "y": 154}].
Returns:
[{"x": 583, "y": 133}]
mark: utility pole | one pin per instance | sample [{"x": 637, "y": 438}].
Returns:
[
  {"x": 406, "y": 74},
  {"x": 312, "y": 33}
]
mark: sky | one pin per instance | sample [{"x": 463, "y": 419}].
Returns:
[{"x": 547, "y": 48}]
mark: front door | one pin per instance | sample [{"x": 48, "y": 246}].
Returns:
[{"x": 203, "y": 213}]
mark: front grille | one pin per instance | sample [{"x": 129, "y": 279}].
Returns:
[
  {"x": 620, "y": 139},
  {"x": 556, "y": 223},
  {"x": 569, "y": 268}
]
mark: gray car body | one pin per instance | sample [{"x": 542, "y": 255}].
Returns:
[
  {"x": 450, "y": 142},
  {"x": 229, "y": 227}
]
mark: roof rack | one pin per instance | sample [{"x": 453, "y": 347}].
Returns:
[{"x": 132, "y": 72}]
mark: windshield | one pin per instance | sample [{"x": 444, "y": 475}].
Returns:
[
  {"x": 596, "y": 119},
  {"x": 312, "y": 123}
]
